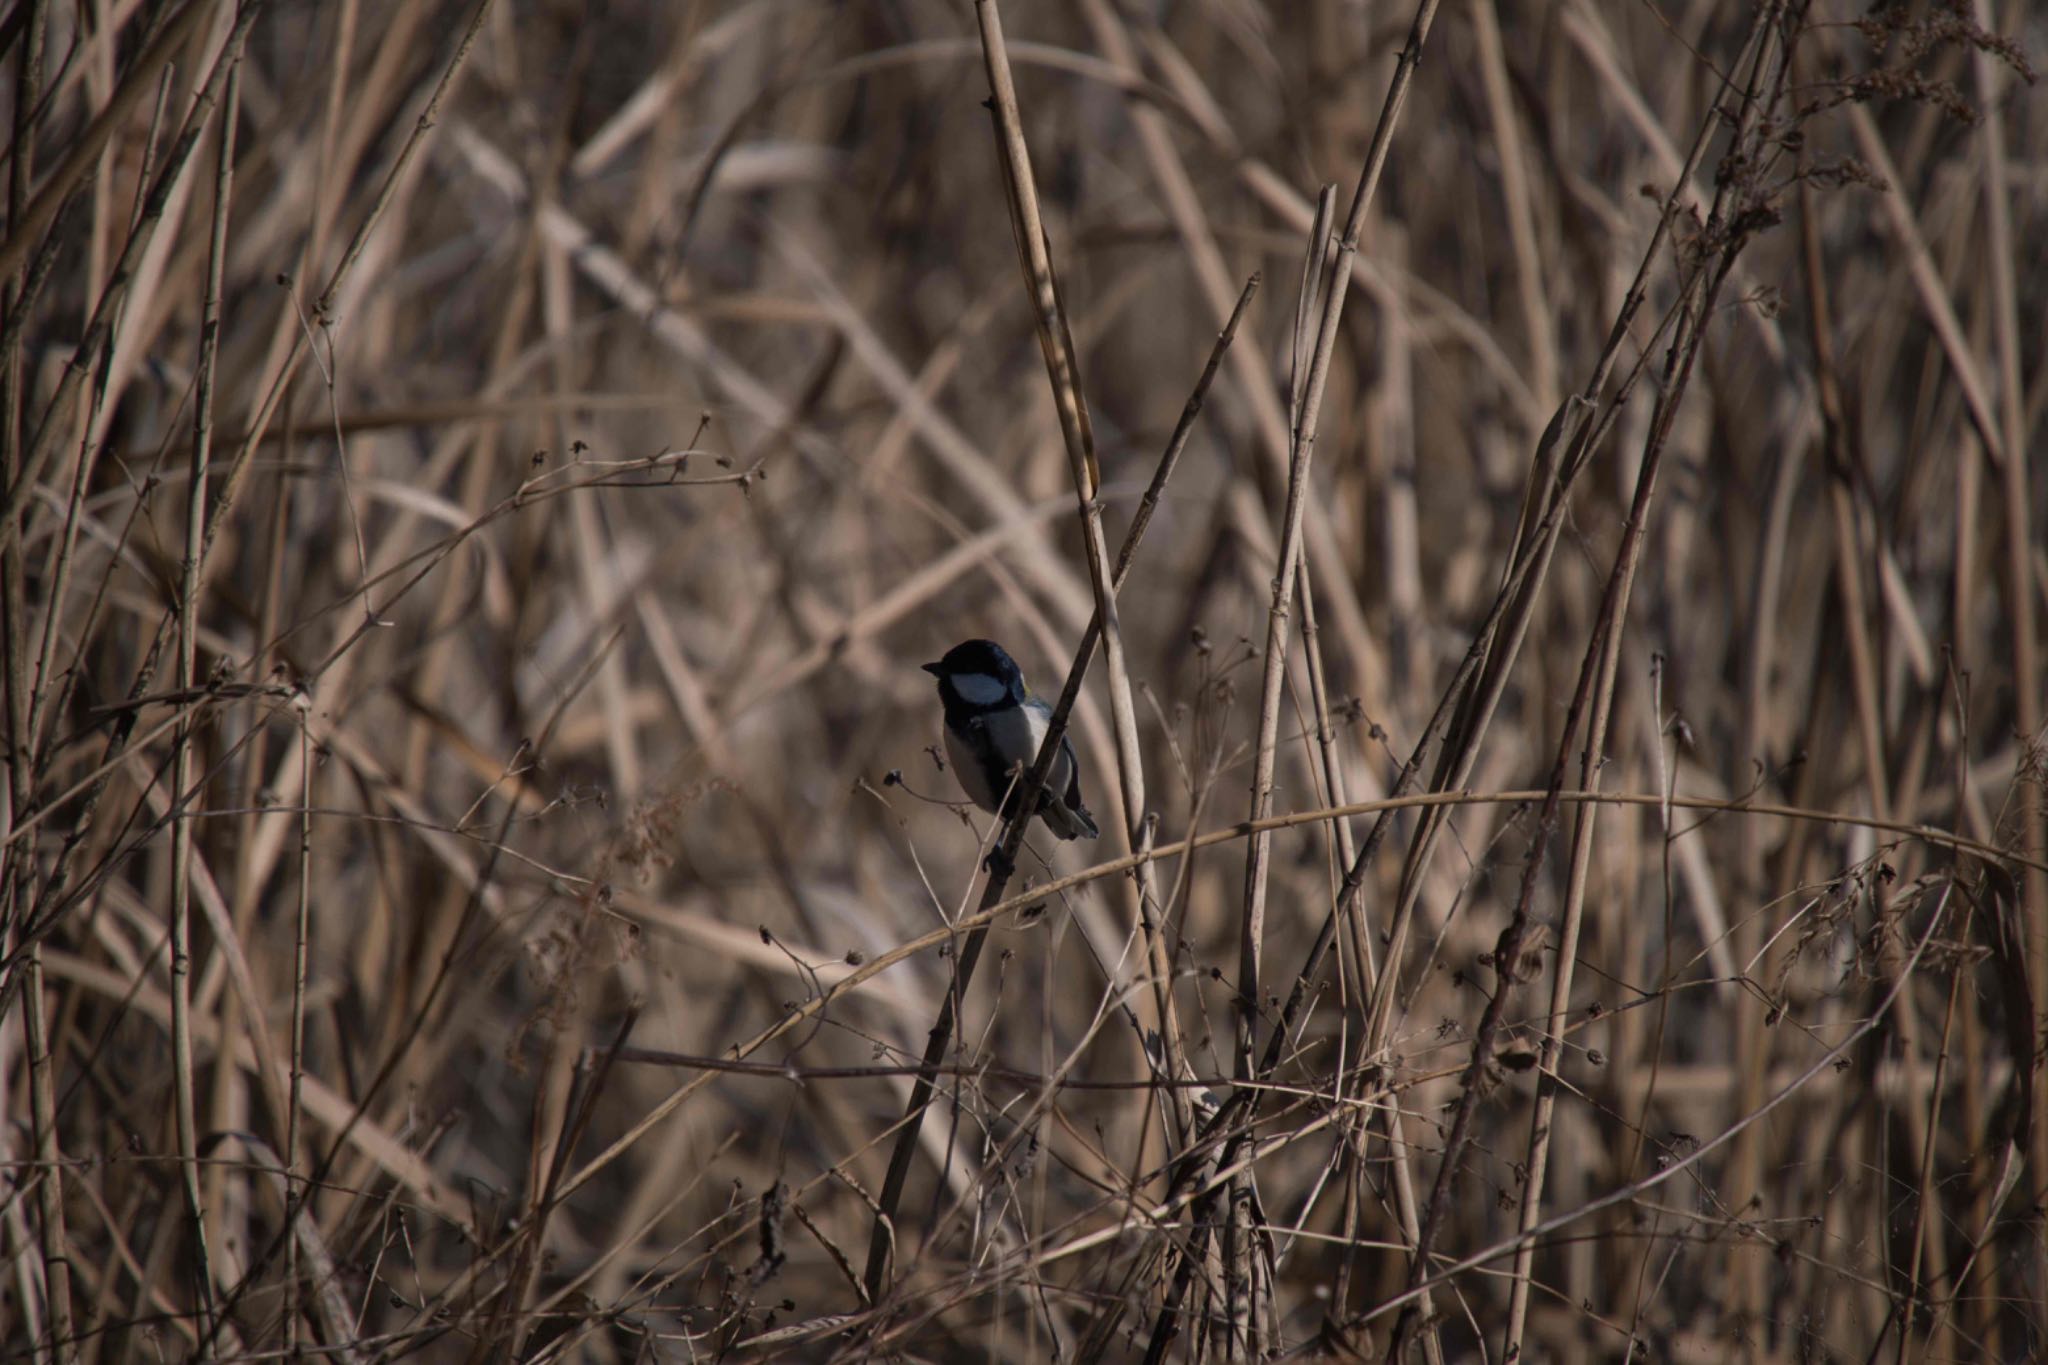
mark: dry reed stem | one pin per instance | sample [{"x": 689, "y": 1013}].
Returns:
[{"x": 227, "y": 64}]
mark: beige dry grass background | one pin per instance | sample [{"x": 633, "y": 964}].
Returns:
[{"x": 480, "y": 480}]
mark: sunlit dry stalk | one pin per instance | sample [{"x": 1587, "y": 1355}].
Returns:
[
  {"x": 1320, "y": 309},
  {"x": 1363, "y": 955},
  {"x": 1322, "y": 299},
  {"x": 1314, "y": 269},
  {"x": 184, "y": 1112},
  {"x": 1151, "y": 910},
  {"x": 225, "y": 1204},
  {"x": 1056, "y": 343},
  {"x": 301, "y": 935}
]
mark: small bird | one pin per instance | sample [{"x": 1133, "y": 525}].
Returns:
[{"x": 993, "y": 729}]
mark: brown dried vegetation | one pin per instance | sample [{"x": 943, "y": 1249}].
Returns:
[{"x": 479, "y": 881}]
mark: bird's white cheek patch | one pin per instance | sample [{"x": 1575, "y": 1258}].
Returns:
[{"x": 979, "y": 689}]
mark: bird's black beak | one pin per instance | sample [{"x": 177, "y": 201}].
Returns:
[{"x": 936, "y": 670}]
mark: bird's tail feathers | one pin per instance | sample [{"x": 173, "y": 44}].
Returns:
[{"x": 1067, "y": 819}]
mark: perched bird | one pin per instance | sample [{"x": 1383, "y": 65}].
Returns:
[{"x": 993, "y": 729}]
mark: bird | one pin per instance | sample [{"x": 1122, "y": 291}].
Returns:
[{"x": 993, "y": 729}]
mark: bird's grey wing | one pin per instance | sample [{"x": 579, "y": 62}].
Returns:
[
  {"x": 1057, "y": 804},
  {"x": 1075, "y": 805},
  {"x": 1072, "y": 795}
]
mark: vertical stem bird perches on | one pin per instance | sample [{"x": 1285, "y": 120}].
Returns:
[{"x": 1056, "y": 341}]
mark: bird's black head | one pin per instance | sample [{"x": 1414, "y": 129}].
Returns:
[{"x": 978, "y": 676}]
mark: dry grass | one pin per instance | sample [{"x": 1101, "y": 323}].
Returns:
[{"x": 477, "y": 882}]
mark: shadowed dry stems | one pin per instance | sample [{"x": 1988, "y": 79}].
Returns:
[{"x": 477, "y": 876}]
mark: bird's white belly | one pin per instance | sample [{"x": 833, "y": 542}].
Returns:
[
  {"x": 967, "y": 771},
  {"x": 1014, "y": 736}
]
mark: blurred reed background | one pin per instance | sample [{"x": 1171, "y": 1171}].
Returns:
[{"x": 480, "y": 482}]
